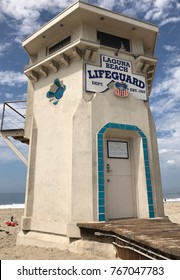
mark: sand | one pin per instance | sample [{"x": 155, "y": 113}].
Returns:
[
  {"x": 9, "y": 250},
  {"x": 172, "y": 210}
]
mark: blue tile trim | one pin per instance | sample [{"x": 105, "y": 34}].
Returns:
[
  {"x": 100, "y": 161},
  {"x": 101, "y": 195},
  {"x": 151, "y": 215},
  {"x": 101, "y": 209},
  {"x": 150, "y": 201},
  {"x": 101, "y": 217},
  {"x": 100, "y": 167},
  {"x": 151, "y": 208},
  {"x": 101, "y": 200},
  {"x": 101, "y": 187}
]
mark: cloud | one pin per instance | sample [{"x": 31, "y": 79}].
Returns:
[
  {"x": 108, "y": 4},
  {"x": 167, "y": 90},
  {"x": 22, "y": 96},
  {"x": 27, "y": 13},
  {"x": 155, "y": 10},
  {"x": 8, "y": 95},
  {"x": 169, "y": 151},
  {"x": 27, "y": 16},
  {"x": 169, "y": 48},
  {"x": 164, "y": 151},
  {"x": 12, "y": 78},
  {"x": 170, "y": 162},
  {"x": 3, "y": 48},
  {"x": 165, "y": 104},
  {"x": 170, "y": 20}
]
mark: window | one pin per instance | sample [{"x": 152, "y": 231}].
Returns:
[
  {"x": 60, "y": 45},
  {"x": 113, "y": 41}
]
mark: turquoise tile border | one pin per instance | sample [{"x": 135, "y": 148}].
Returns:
[{"x": 101, "y": 195}]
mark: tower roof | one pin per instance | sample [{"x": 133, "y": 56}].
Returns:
[{"x": 101, "y": 18}]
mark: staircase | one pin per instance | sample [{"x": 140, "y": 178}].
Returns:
[
  {"x": 13, "y": 120},
  {"x": 12, "y": 125}
]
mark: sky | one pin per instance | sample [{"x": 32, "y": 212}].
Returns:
[{"x": 20, "y": 18}]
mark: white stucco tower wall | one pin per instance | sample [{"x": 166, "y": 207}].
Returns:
[{"x": 93, "y": 152}]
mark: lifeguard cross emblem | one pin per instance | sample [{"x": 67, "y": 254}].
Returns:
[{"x": 120, "y": 89}]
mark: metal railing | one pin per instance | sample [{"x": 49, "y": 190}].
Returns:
[{"x": 13, "y": 115}]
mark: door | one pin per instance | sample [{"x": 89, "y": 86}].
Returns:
[{"x": 119, "y": 189}]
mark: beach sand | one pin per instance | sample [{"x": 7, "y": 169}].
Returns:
[
  {"x": 9, "y": 250},
  {"x": 172, "y": 210}
]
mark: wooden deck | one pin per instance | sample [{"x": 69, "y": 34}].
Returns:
[{"x": 157, "y": 235}]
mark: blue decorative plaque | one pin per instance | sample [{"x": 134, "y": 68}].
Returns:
[{"x": 56, "y": 91}]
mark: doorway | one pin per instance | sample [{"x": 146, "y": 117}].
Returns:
[{"x": 119, "y": 193}]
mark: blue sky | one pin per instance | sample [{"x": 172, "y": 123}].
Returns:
[{"x": 20, "y": 18}]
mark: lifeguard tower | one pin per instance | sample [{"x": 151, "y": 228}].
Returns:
[{"x": 93, "y": 152}]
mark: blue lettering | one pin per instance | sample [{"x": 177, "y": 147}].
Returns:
[
  {"x": 115, "y": 75},
  {"x": 96, "y": 73},
  {"x": 135, "y": 81},
  {"x": 104, "y": 59},
  {"x": 128, "y": 79},
  {"x": 122, "y": 77},
  {"x": 108, "y": 65},
  {"x": 90, "y": 75},
  {"x": 97, "y": 83},
  {"x": 108, "y": 74},
  {"x": 141, "y": 84},
  {"x": 100, "y": 74}
]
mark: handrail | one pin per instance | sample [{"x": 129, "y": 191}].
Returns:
[
  {"x": 2, "y": 120},
  {"x": 13, "y": 116}
]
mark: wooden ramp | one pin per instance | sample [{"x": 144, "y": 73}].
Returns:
[{"x": 137, "y": 238}]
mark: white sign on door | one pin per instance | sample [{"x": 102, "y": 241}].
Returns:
[{"x": 117, "y": 149}]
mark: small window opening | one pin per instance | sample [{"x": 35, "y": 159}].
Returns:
[
  {"x": 113, "y": 41},
  {"x": 60, "y": 45}
]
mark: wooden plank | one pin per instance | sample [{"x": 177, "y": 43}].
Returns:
[{"x": 159, "y": 234}]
